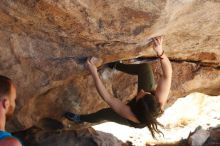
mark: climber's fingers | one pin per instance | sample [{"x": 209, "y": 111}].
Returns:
[
  {"x": 90, "y": 61},
  {"x": 156, "y": 43},
  {"x": 93, "y": 60},
  {"x": 158, "y": 40}
]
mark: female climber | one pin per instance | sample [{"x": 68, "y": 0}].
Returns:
[{"x": 144, "y": 109}]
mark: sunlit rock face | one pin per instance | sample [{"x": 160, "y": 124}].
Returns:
[{"x": 43, "y": 42}]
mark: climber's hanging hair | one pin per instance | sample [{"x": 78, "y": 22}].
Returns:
[{"x": 147, "y": 111}]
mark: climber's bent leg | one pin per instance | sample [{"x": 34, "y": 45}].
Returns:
[
  {"x": 143, "y": 70},
  {"x": 132, "y": 69},
  {"x": 102, "y": 115},
  {"x": 145, "y": 77}
]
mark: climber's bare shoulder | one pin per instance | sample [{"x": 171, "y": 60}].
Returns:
[{"x": 10, "y": 141}]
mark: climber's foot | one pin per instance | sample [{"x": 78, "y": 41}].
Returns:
[
  {"x": 112, "y": 65},
  {"x": 73, "y": 117},
  {"x": 140, "y": 60}
]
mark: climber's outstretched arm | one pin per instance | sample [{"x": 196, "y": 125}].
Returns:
[
  {"x": 119, "y": 107},
  {"x": 164, "y": 84}
]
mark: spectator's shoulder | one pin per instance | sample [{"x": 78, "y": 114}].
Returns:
[{"x": 10, "y": 141}]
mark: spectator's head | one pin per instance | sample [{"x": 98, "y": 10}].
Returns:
[{"x": 7, "y": 96}]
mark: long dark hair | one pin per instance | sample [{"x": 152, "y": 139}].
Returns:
[{"x": 148, "y": 110}]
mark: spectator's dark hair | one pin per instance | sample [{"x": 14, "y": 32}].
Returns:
[
  {"x": 148, "y": 110},
  {"x": 5, "y": 86}
]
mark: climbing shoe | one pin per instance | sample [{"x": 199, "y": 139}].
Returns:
[
  {"x": 73, "y": 117},
  {"x": 113, "y": 65}
]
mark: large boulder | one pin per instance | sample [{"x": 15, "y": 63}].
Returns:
[{"x": 43, "y": 44}]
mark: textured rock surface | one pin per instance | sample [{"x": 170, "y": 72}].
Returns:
[
  {"x": 42, "y": 41},
  {"x": 212, "y": 137},
  {"x": 86, "y": 137}
]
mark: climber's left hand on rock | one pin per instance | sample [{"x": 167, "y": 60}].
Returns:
[{"x": 90, "y": 65}]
